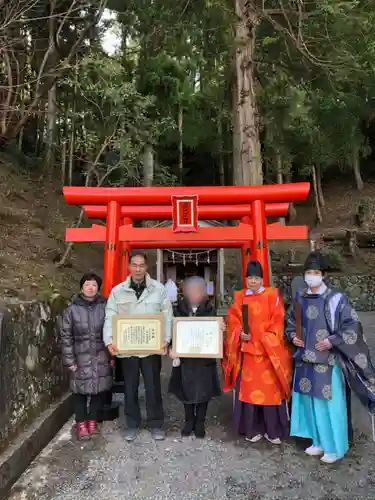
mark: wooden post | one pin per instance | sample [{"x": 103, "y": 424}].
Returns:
[
  {"x": 221, "y": 272},
  {"x": 159, "y": 266}
]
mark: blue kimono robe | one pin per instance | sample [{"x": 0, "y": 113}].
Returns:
[{"x": 319, "y": 407}]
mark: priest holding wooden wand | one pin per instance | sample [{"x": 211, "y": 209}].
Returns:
[
  {"x": 331, "y": 356},
  {"x": 257, "y": 363}
]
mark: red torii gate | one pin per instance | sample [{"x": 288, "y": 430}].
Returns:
[
  {"x": 121, "y": 206},
  {"x": 205, "y": 212}
]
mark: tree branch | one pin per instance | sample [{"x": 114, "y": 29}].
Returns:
[
  {"x": 91, "y": 170},
  {"x": 42, "y": 89}
]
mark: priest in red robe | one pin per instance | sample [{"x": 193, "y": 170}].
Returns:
[{"x": 257, "y": 362}]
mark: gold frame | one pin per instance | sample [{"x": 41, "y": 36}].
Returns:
[
  {"x": 140, "y": 319},
  {"x": 218, "y": 355}
]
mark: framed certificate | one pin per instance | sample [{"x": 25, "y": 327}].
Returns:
[
  {"x": 197, "y": 337},
  {"x": 138, "y": 335}
]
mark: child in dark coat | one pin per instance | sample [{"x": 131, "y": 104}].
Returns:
[{"x": 195, "y": 381}]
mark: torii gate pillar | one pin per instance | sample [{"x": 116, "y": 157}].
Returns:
[
  {"x": 125, "y": 253},
  {"x": 245, "y": 253},
  {"x": 112, "y": 247},
  {"x": 260, "y": 244}
]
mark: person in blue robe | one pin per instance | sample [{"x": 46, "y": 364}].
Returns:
[
  {"x": 298, "y": 286},
  {"x": 330, "y": 355}
]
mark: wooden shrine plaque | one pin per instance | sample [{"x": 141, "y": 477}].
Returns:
[
  {"x": 185, "y": 214},
  {"x": 138, "y": 335},
  {"x": 197, "y": 337}
]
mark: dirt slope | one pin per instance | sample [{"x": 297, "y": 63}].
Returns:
[
  {"x": 342, "y": 200},
  {"x": 33, "y": 218}
]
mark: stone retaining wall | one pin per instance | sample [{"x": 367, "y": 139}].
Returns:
[
  {"x": 360, "y": 289},
  {"x": 31, "y": 373}
]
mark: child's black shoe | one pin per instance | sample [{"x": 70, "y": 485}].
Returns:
[
  {"x": 188, "y": 428},
  {"x": 200, "y": 431}
]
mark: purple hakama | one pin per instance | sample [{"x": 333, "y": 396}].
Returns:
[{"x": 251, "y": 420}]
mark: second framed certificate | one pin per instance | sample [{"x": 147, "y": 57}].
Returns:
[{"x": 197, "y": 337}]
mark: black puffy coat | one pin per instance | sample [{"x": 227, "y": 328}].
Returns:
[
  {"x": 195, "y": 380},
  {"x": 82, "y": 345}
]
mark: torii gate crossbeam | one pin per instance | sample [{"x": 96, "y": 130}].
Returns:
[
  {"x": 225, "y": 237},
  {"x": 205, "y": 212},
  {"x": 222, "y": 195}
]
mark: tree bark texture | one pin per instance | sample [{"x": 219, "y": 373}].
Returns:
[
  {"x": 357, "y": 169},
  {"x": 237, "y": 158},
  {"x": 319, "y": 186},
  {"x": 316, "y": 196},
  {"x": 51, "y": 100},
  {"x": 221, "y": 152},
  {"x": 180, "y": 144},
  {"x": 280, "y": 180},
  {"x": 248, "y": 117},
  {"x": 148, "y": 165}
]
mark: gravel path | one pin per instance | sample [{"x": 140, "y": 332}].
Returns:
[{"x": 221, "y": 467}]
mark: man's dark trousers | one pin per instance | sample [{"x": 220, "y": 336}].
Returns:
[{"x": 150, "y": 367}]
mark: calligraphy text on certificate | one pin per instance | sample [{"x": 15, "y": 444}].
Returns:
[
  {"x": 198, "y": 337},
  {"x": 137, "y": 337}
]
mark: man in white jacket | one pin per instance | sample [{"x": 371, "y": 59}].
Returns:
[{"x": 140, "y": 295}]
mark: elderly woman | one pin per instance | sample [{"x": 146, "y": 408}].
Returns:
[
  {"x": 85, "y": 354},
  {"x": 194, "y": 381}
]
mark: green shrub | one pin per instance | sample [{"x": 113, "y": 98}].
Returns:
[{"x": 334, "y": 259}]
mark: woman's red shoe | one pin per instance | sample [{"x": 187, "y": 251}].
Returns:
[
  {"x": 82, "y": 431},
  {"x": 92, "y": 427}
]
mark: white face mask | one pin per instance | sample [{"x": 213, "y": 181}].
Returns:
[{"x": 313, "y": 281}]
